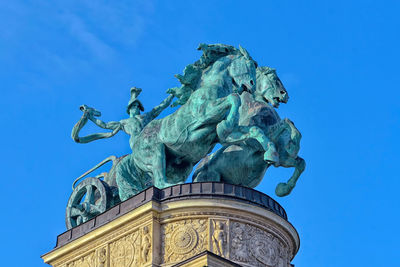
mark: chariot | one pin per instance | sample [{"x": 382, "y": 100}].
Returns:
[{"x": 92, "y": 195}]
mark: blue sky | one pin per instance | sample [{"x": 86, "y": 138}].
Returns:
[{"x": 339, "y": 61}]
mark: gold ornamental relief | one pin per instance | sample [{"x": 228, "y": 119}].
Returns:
[
  {"x": 125, "y": 251},
  {"x": 85, "y": 261},
  {"x": 184, "y": 239}
]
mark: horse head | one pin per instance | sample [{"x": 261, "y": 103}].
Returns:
[
  {"x": 243, "y": 72},
  {"x": 217, "y": 59},
  {"x": 270, "y": 88}
]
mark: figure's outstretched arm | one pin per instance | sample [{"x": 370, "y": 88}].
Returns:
[
  {"x": 112, "y": 125},
  {"x": 163, "y": 105},
  {"x": 97, "y": 136},
  {"x": 89, "y": 113},
  {"x": 78, "y": 126}
]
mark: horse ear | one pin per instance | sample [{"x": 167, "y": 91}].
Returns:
[
  {"x": 244, "y": 52},
  {"x": 201, "y": 46}
]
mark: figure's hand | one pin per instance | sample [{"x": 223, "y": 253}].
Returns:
[{"x": 90, "y": 112}]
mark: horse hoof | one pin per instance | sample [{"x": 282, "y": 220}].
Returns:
[{"x": 282, "y": 189}]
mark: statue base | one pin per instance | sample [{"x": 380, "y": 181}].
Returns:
[{"x": 197, "y": 224}]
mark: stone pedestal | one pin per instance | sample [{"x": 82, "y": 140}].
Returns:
[{"x": 199, "y": 224}]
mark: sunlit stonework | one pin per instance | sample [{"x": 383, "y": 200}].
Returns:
[{"x": 242, "y": 227}]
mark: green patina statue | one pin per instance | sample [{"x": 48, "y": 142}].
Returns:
[
  {"x": 166, "y": 150},
  {"x": 224, "y": 98}
]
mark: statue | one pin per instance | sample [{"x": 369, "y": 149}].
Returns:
[
  {"x": 243, "y": 163},
  {"x": 224, "y": 98},
  {"x": 166, "y": 150}
]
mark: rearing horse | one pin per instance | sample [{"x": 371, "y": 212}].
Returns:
[
  {"x": 243, "y": 163},
  {"x": 166, "y": 150}
]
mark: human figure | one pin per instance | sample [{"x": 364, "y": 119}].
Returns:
[
  {"x": 219, "y": 239},
  {"x": 146, "y": 244},
  {"x": 132, "y": 125},
  {"x": 102, "y": 257}
]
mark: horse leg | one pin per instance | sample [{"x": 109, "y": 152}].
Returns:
[
  {"x": 284, "y": 189},
  {"x": 225, "y": 127},
  {"x": 159, "y": 168},
  {"x": 242, "y": 133}
]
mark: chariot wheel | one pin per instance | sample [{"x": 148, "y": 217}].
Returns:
[{"x": 90, "y": 198}]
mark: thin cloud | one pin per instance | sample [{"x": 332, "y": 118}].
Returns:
[
  {"x": 94, "y": 44},
  {"x": 70, "y": 35},
  {"x": 105, "y": 28}
]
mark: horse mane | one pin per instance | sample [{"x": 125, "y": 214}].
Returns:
[
  {"x": 193, "y": 72},
  {"x": 264, "y": 71},
  {"x": 261, "y": 71}
]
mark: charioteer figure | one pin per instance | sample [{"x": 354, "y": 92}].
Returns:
[{"x": 132, "y": 126}]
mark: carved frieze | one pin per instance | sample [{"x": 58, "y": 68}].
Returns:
[
  {"x": 256, "y": 247},
  {"x": 84, "y": 261},
  {"x": 184, "y": 239},
  {"x": 124, "y": 252},
  {"x": 238, "y": 234}
]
